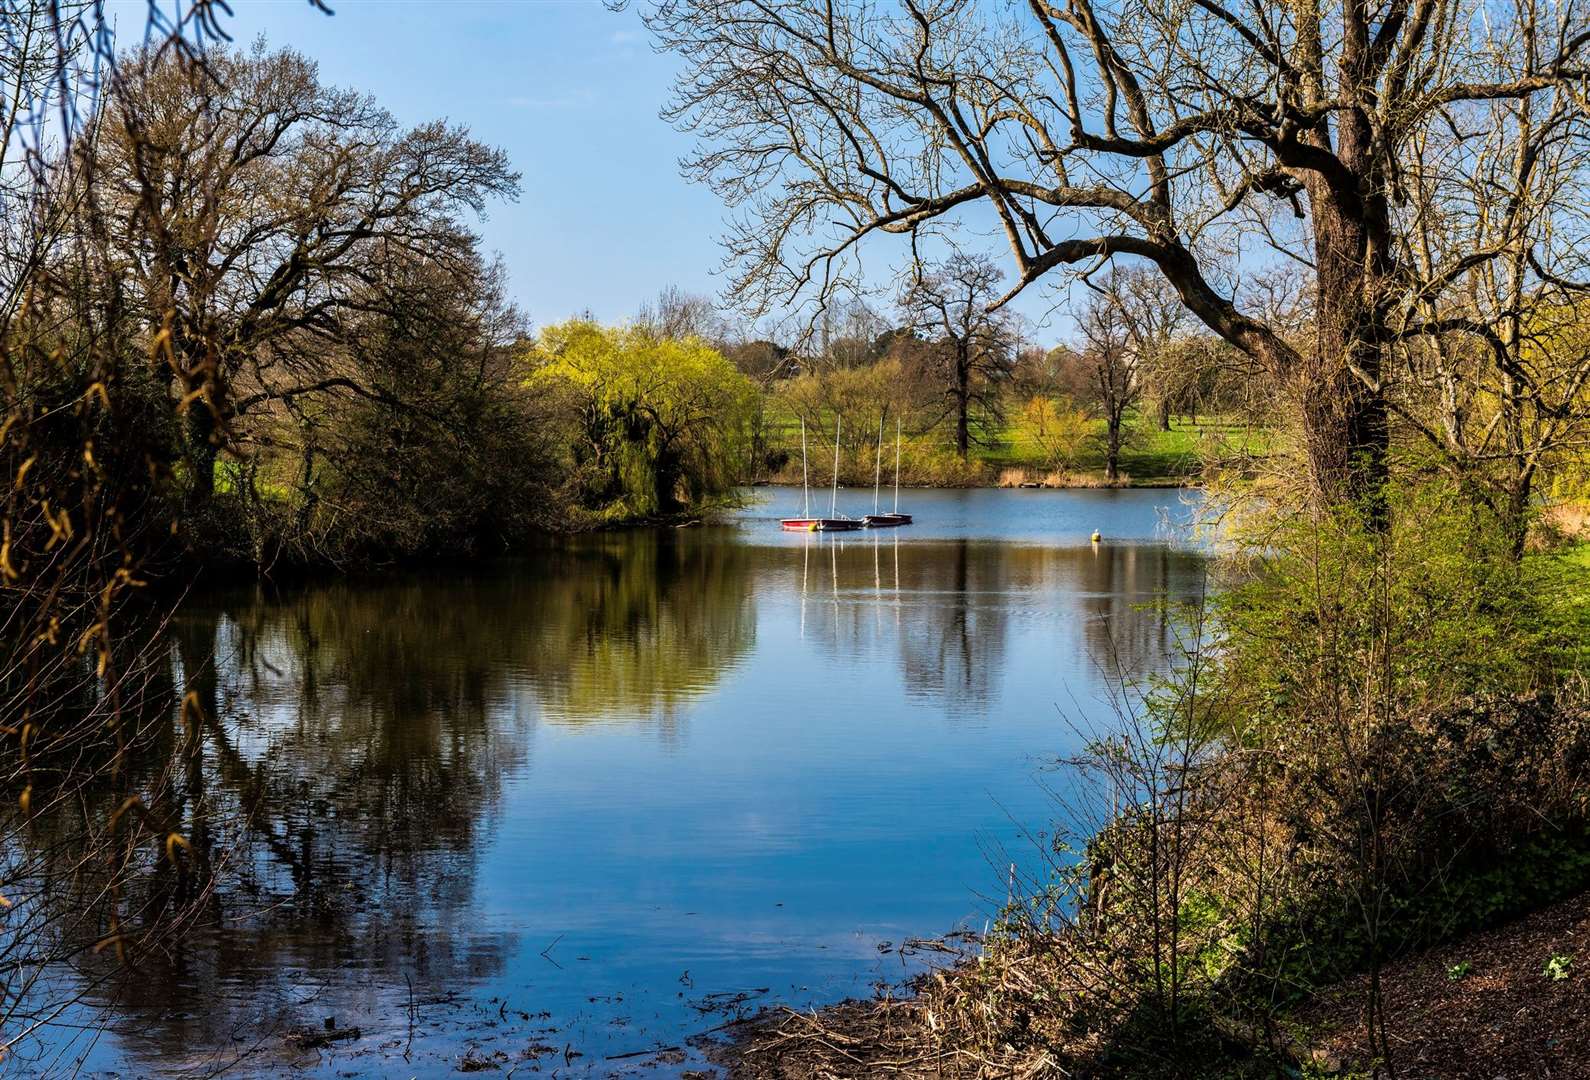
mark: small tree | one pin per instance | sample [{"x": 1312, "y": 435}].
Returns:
[
  {"x": 1125, "y": 326},
  {"x": 1056, "y": 427},
  {"x": 955, "y": 305}
]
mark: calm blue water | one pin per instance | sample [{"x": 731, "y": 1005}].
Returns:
[{"x": 578, "y": 800}]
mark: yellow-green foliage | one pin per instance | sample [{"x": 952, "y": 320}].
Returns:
[
  {"x": 654, "y": 425},
  {"x": 854, "y": 400},
  {"x": 1055, "y": 429},
  {"x": 858, "y": 401}
]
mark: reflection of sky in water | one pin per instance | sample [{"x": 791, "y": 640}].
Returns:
[{"x": 647, "y": 767}]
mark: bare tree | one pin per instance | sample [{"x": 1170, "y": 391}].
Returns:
[
  {"x": 850, "y": 333},
  {"x": 679, "y": 314},
  {"x": 973, "y": 344},
  {"x": 246, "y": 288},
  {"x": 1150, "y": 316},
  {"x": 1173, "y": 133},
  {"x": 1497, "y": 359}
]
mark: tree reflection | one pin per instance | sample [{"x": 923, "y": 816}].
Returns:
[
  {"x": 1128, "y": 597},
  {"x": 945, "y": 608},
  {"x": 354, "y": 740},
  {"x": 632, "y": 626},
  {"x": 952, "y": 646}
]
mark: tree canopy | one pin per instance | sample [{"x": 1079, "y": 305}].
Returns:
[{"x": 660, "y": 423}]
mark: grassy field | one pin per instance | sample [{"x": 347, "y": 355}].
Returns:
[{"x": 1150, "y": 457}]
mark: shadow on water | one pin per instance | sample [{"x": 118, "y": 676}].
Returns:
[{"x": 650, "y": 742}]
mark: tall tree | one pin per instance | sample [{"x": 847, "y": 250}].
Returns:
[
  {"x": 972, "y": 345},
  {"x": 1149, "y": 315},
  {"x": 244, "y": 207},
  {"x": 1083, "y": 131},
  {"x": 1112, "y": 366}
]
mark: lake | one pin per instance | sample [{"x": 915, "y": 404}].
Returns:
[{"x": 604, "y": 797}]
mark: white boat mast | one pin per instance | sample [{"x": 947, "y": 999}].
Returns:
[
  {"x": 806, "y": 490},
  {"x": 896, "y": 464},
  {"x": 877, "y": 468},
  {"x": 833, "y": 503}
]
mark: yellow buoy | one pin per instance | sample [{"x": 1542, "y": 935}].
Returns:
[{"x": 1096, "y": 536}]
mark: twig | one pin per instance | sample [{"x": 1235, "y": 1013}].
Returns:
[
  {"x": 546, "y": 953},
  {"x": 410, "y": 1044},
  {"x": 644, "y": 1053}
]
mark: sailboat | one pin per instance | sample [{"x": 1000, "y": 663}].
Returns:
[
  {"x": 877, "y": 519},
  {"x": 833, "y": 522}
]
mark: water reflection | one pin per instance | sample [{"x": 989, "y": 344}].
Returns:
[
  {"x": 947, "y": 605},
  {"x": 706, "y": 750},
  {"x": 632, "y": 626}
]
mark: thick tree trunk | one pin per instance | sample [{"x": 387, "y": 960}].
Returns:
[
  {"x": 1164, "y": 413},
  {"x": 1112, "y": 448},
  {"x": 667, "y": 471},
  {"x": 200, "y": 449},
  {"x": 1343, "y": 408}
]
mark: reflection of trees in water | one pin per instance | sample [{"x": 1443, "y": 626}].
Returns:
[
  {"x": 358, "y": 737},
  {"x": 638, "y": 624},
  {"x": 946, "y": 606},
  {"x": 952, "y": 646},
  {"x": 354, "y": 749},
  {"x": 355, "y": 746},
  {"x": 1128, "y": 599}
]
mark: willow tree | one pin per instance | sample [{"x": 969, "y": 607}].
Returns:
[
  {"x": 1184, "y": 135},
  {"x": 655, "y": 425}
]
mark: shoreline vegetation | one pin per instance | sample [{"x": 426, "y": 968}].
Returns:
[{"x": 1483, "y": 1004}]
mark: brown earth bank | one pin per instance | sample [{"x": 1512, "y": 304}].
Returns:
[{"x": 1510, "y": 1003}]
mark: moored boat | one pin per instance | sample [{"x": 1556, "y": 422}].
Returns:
[
  {"x": 822, "y": 524},
  {"x": 804, "y": 523},
  {"x": 833, "y": 522},
  {"x": 879, "y": 519}
]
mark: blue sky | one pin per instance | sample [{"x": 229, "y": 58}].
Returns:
[{"x": 571, "y": 90}]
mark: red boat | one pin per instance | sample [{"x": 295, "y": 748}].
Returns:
[
  {"x": 802, "y": 524},
  {"x": 824, "y": 524},
  {"x": 833, "y": 523}
]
